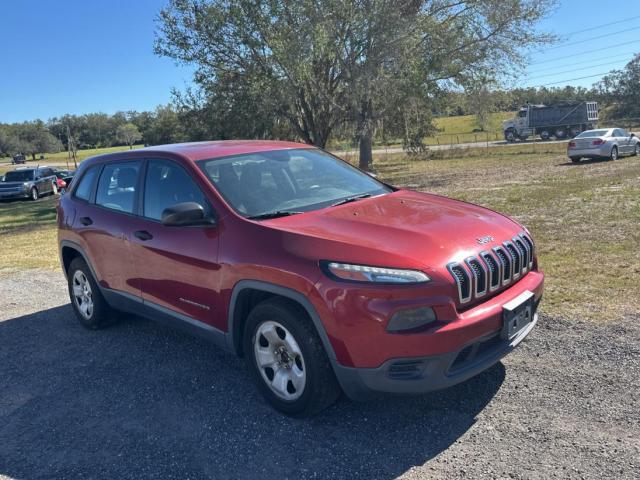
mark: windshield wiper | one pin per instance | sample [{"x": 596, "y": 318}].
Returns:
[
  {"x": 276, "y": 214},
  {"x": 355, "y": 198}
]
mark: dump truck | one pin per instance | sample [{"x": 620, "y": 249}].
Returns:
[{"x": 560, "y": 121}]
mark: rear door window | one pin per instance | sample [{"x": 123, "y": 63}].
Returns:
[
  {"x": 85, "y": 186},
  {"x": 118, "y": 185}
]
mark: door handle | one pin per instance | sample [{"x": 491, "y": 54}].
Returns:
[
  {"x": 86, "y": 221},
  {"x": 143, "y": 235}
]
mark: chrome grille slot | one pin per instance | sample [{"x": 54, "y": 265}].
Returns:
[
  {"x": 516, "y": 257},
  {"x": 524, "y": 253},
  {"x": 527, "y": 241},
  {"x": 463, "y": 281},
  {"x": 506, "y": 262},
  {"x": 479, "y": 274},
  {"x": 493, "y": 269}
]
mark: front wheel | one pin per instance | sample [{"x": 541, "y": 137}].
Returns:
[
  {"x": 575, "y": 159},
  {"x": 34, "y": 195},
  {"x": 614, "y": 153},
  {"x": 54, "y": 188},
  {"x": 287, "y": 361},
  {"x": 636, "y": 151},
  {"x": 510, "y": 135}
]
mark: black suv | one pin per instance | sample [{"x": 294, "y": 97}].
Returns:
[{"x": 28, "y": 183}]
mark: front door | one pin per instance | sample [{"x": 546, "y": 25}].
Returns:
[{"x": 177, "y": 266}]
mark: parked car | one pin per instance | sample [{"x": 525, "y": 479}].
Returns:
[
  {"x": 17, "y": 159},
  {"x": 64, "y": 178},
  {"x": 603, "y": 143},
  {"x": 28, "y": 183},
  {"x": 322, "y": 277}
]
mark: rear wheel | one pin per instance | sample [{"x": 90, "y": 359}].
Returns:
[
  {"x": 34, "y": 195},
  {"x": 90, "y": 307},
  {"x": 560, "y": 133},
  {"x": 636, "y": 151},
  {"x": 614, "y": 153},
  {"x": 575, "y": 159},
  {"x": 545, "y": 134},
  {"x": 287, "y": 360}
]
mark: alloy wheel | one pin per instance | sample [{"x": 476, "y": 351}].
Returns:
[
  {"x": 614, "y": 153},
  {"x": 280, "y": 361},
  {"x": 82, "y": 294}
]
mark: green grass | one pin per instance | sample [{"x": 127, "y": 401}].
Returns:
[{"x": 585, "y": 218}]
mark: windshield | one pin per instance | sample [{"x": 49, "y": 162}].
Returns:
[
  {"x": 298, "y": 180},
  {"x": 593, "y": 133},
  {"x": 19, "y": 176}
]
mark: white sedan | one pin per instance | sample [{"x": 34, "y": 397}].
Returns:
[{"x": 603, "y": 143}]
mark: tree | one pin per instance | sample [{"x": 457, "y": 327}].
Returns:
[
  {"x": 323, "y": 62},
  {"x": 128, "y": 133},
  {"x": 481, "y": 101},
  {"x": 621, "y": 90}
]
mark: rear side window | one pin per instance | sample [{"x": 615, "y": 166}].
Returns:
[
  {"x": 166, "y": 185},
  {"x": 117, "y": 186},
  {"x": 86, "y": 184}
]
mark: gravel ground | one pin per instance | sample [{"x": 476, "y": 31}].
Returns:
[{"x": 141, "y": 400}]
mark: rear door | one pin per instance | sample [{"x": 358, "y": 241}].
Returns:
[
  {"x": 102, "y": 218},
  {"x": 43, "y": 184},
  {"x": 177, "y": 267}
]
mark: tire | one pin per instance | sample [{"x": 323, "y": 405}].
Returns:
[
  {"x": 34, "y": 194},
  {"x": 575, "y": 159},
  {"x": 636, "y": 151},
  {"x": 574, "y": 132},
  {"x": 560, "y": 133},
  {"x": 614, "y": 153},
  {"x": 54, "y": 188},
  {"x": 510, "y": 135},
  {"x": 280, "y": 342},
  {"x": 545, "y": 134},
  {"x": 83, "y": 289}
]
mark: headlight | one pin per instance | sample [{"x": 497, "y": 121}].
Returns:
[{"x": 365, "y": 273}]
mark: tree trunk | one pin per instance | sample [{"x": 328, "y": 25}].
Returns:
[
  {"x": 366, "y": 150},
  {"x": 365, "y": 135}
]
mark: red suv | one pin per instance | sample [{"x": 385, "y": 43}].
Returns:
[{"x": 324, "y": 278}]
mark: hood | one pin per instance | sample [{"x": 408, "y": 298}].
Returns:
[{"x": 400, "y": 229}]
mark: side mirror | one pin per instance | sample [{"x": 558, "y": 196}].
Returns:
[{"x": 186, "y": 214}]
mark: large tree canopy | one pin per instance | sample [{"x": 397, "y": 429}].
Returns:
[
  {"x": 621, "y": 89},
  {"x": 318, "y": 63}
]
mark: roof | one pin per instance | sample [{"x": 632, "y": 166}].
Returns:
[{"x": 205, "y": 150}]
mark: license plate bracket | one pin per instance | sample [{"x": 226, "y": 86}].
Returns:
[{"x": 517, "y": 314}]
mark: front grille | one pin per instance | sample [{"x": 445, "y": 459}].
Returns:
[
  {"x": 491, "y": 270},
  {"x": 463, "y": 281}
]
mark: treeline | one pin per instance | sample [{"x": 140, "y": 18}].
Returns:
[{"x": 192, "y": 118}]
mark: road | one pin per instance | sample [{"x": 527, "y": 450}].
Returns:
[{"x": 139, "y": 400}]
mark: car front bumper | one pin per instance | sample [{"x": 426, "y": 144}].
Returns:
[
  {"x": 13, "y": 194},
  {"x": 419, "y": 375}
]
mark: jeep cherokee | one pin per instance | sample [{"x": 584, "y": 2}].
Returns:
[{"x": 324, "y": 278}]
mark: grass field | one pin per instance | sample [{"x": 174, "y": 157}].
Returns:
[{"x": 585, "y": 219}]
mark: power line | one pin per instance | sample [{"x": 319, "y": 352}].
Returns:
[
  {"x": 570, "y": 80},
  {"x": 587, "y": 61},
  {"x": 586, "y": 53},
  {"x": 575, "y": 69},
  {"x": 622, "y": 20},
  {"x": 584, "y": 40}
]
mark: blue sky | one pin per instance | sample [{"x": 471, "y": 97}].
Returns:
[{"x": 73, "y": 56}]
